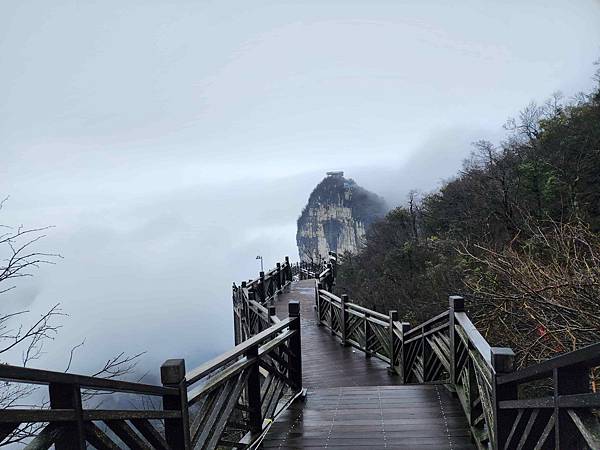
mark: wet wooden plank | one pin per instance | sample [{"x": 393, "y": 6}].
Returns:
[
  {"x": 354, "y": 403},
  {"x": 325, "y": 362}
]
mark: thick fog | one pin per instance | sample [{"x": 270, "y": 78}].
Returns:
[{"x": 170, "y": 142}]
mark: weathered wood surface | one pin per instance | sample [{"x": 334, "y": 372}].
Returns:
[
  {"x": 373, "y": 417},
  {"x": 325, "y": 363},
  {"x": 353, "y": 402}
]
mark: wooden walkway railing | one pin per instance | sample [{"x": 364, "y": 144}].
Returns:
[
  {"x": 240, "y": 392},
  {"x": 228, "y": 402},
  {"x": 66, "y": 424},
  {"x": 252, "y": 301},
  {"x": 231, "y": 401},
  {"x": 449, "y": 349}
]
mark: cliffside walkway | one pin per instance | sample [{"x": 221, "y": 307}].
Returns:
[
  {"x": 311, "y": 369},
  {"x": 354, "y": 402}
]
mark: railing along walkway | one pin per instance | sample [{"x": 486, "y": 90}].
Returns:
[
  {"x": 326, "y": 363},
  {"x": 353, "y": 401},
  {"x": 350, "y": 359},
  {"x": 550, "y": 405}
]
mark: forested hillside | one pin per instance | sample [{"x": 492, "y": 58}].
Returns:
[{"x": 515, "y": 232}]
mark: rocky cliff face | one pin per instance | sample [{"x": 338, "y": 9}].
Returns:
[{"x": 336, "y": 217}]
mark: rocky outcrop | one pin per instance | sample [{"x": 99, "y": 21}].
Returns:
[{"x": 336, "y": 217}]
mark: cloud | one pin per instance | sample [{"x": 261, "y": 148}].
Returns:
[{"x": 172, "y": 142}]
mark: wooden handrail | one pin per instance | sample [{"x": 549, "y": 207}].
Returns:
[
  {"x": 418, "y": 328},
  {"x": 366, "y": 311},
  {"x": 274, "y": 355},
  {"x": 449, "y": 349},
  {"x": 214, "y": 364},
  {"x": 330, "y": 296},
  {"x": 475, "y": 337},
  {"x": 37, "y": 376},
  {"x": 584, "y": 358},
  {"x": 252, "y": 298},
  {"x": 229, "y": 394}
]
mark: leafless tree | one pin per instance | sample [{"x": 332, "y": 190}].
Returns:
[
  {"x": 19, "y": 258},
  {"x": 540, "y": 296}
]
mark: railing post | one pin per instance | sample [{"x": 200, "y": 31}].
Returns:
[
  {"x": 177, "y": 432},
  {"x": 263, "y": 288},
  {"x": 295, "y": 345},
  {"x": 503, "y": 360},
  {"x": 68, "y": 396},
  {"x": 279, "y": 283},
  {"x": 288, "y": 270},
  {"x": 318, "y": 288},
  {"x": 456, "y": 304},
  {"x": 253, "y": 392},
  {"x": 392, "y": 336},
  {"x": 272, "y": 311},
  {"x": 344, "y": 316},
  {"x": 368, "y": 335},
  {"x": 405, "y": 326}
]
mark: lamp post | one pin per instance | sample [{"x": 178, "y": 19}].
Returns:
[{"x": 261, "y": 263}]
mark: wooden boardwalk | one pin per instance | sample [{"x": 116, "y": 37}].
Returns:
[
  {"x": 241, "y": 398},
  {"x": 352, "y": 401}
]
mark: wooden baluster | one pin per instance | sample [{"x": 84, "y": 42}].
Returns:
[
  {"x": 263, "y": 289},
  {"x": 238, "y": 313},
  {"x": 251, "y": 296},
  {"x": 473, "y": 391},
  {"x": 68, "y": 396},
  {"x": 405, "y": 326},
  {"x": 457, "y": 304},
  {"x": 503, "y": 360},
  {"x": 368, "y": 335},
  {"x": 295, "y": 345},
  {"x": 236, "y": 326},
  {"x": 393, "y": 349},
  {"x": 253, "y": 392},
  {"x": 331, "y": 313},
  {"x": 177, "y": 431},
  {"x": 344, "y": 316},
  {"x": 423, "y": 354}
]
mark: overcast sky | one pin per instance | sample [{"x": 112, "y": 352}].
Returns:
[{"x": 169, "y": 142}]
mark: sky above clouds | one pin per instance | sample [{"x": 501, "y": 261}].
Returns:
[{"x": 169, "y": 142}]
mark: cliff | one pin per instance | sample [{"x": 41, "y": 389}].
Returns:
[{"x": 336, "y": 217}]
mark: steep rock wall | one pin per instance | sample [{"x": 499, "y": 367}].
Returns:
[{"x": 336, "y": 217}]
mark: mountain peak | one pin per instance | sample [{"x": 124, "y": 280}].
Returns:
[{"x": 336, "y": 217}]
